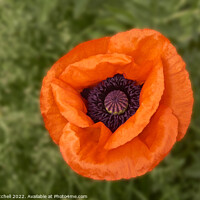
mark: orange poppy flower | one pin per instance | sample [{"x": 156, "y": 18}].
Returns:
[{"x": 116, "y": 105}]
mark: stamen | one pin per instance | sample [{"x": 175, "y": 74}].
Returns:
[{"x": 112, "y": 101}]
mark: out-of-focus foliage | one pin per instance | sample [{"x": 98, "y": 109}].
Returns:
[{"x": 33, "y": 35}]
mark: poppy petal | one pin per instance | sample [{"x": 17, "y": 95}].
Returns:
[
  {"x": 90, "y": 159},
  {"x": 157, "y": 138},
  {"x": 70, "y": 104},
  {"x": 54, "y": 121},
  {"x": 139, "y": 73},
  {"x": 91, "y": 70},
  {"x": 149, "y": 101},
  {"x": 178, "y": 93},
  {"x": 85, "y": 50},
  {"x": 142, "y": 44}
]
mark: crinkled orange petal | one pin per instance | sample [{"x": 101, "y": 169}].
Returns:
[
  {"x": 178, "y": 93},
  {"x": 83, "y": 149},
  {"x": 54, "y": 121},
  {"x": 91, "y": 70},
  {"x": 157, "y": 138},
  {"x": 70, "y": 104},
  {"x": 85, "y": 50},
  {"x": 149, "y": 101},
  {"x": 139, "y": 73},
  {"x": 143, "y": 44}
]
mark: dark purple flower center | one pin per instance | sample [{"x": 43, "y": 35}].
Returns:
[
  {"x": 112, "y": 101},
  {"x": 116, "y": 102}
]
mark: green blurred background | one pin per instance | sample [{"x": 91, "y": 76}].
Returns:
[{"x": 33, "y": 35}]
